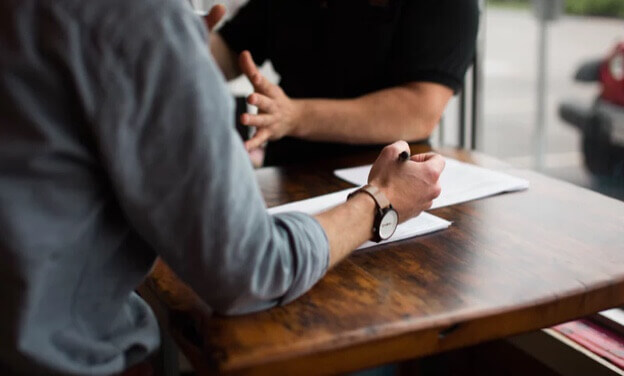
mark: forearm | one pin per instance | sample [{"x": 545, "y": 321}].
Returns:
[
  {"x": 286, "y": 259},
  {"x": 348, "y": 226},
  {"x": 406, "y": 112}
]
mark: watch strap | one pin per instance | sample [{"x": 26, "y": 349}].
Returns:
[
  {"x": 380, "y": 199},
  {"x": 383, "y": 206}
]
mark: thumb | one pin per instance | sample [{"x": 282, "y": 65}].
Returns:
[{"x": 214, "y": 16}]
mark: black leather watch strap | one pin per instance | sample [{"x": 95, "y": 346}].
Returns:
[
  {"x": 380, "y": 199},
  {"x": 383, "y": 206}
]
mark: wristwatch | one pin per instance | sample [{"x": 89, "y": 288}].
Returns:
[{"x": 386, "y": 218}]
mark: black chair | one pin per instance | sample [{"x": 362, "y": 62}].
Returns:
[{"x": 470, "y": 98}]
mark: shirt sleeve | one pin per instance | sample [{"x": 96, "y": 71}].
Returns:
[
  {"x": 164, "y": 131},
  {"x": 248, "y": 30},
  {"x": 436, "y": 41}
]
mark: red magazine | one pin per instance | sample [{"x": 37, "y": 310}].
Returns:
[{"x": 599, "y": 340}]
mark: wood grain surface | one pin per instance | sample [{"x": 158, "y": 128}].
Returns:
[{"x": 508, "y": 264}]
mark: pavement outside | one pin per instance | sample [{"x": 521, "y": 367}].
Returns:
[{"x": 510, "y": 87}]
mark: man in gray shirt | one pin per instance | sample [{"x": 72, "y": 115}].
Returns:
[{"x": 117, "y": 146}]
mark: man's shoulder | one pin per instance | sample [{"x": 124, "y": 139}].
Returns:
[
  {"x": 445, "y": 14},
  {"x": 124, "y": 10},
  {"x": 118, "y": 19}
]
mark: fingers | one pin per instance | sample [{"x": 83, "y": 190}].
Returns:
[
  {"x": 247, "y": 65},
  {"x": 436, "y": 163},
  {"x": 264, "y": 103},
  {"x": 434, "y": 191},
  {"x": 411, "y": 186},
  {"x": 264, "y": 86},
  {"x": 256, "y": 156},
  {"x": 257, "y": 140},
  {"x": 432, "y": 164},
  {"x": 214, "y": 16},
  {"x": 427, "y": 205},
  {"x": 261, "y": 120},
  {"x": 423, "y": 157},
  {"x": 259, "y": 82}
]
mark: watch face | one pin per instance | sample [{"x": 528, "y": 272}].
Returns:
[{"x": 388, "y": 224}]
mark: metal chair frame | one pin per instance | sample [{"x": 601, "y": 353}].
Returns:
[{"x": 473, "y": 125}]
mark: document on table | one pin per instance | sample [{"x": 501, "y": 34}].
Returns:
[
  {"x": 461, "y": 182},
  {"x": 425, "y": 223}
]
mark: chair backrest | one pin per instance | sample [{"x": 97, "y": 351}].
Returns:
[{"x": 470, "y": 99}]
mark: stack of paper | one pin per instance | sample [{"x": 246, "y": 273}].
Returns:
[
  {"x": 423, "y": 224},
  {"x": 461, "y": 182}
]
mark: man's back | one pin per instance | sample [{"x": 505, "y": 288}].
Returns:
[
  {"x": 116, "y": 145},
  {"x": 69, "y": 259}
]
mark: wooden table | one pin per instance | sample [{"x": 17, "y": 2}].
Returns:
[{"x": 508, "y": 264}]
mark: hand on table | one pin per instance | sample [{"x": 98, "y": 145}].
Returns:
[
  {"x": 277, "y": 113},
  {"x": 410, "y": 186}
]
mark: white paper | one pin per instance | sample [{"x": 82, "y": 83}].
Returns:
[
  {"x": 461, "y": 182},
  {"x": 425, "y": 223}
]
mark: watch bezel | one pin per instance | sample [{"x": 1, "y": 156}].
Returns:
[{"x": 382, "y": 214}]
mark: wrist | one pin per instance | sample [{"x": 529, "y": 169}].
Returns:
[
  {"x": 364, "y": 201},
  {"x": 383, "y": 188},
  {"x": 299, "y": 109},
  {"x": 366, "y": 207},
  {"x": 386, "y": 217}
]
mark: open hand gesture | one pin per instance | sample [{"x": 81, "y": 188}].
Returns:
[{"x": 277, "y": 113}]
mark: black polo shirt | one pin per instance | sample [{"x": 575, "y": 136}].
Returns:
[{"x": 347, "y": 48}]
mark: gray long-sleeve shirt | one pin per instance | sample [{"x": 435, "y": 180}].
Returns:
[{"x": 117, "y": 145}]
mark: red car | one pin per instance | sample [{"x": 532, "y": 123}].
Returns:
[{"x": 602, "y": 122}]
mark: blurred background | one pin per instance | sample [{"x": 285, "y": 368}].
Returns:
[
  {"x": 581, "y": 31},
  {"x": 587, "y": 30}
]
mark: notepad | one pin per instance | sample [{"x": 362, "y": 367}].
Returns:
[
  {"x": 425, "y": 223},
  {"x": 461, "y": 182}
]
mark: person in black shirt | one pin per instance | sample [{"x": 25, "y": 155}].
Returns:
[{"x": 354, "y": 72}]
